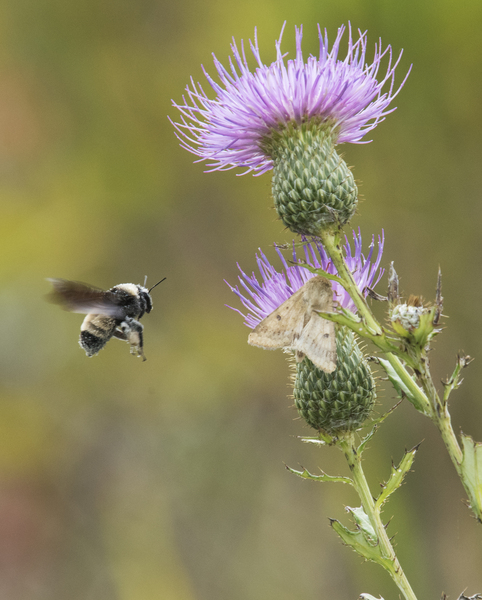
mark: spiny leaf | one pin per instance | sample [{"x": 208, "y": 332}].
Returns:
[
  {"x": 315, "y": 270},
  {"x": 357, "y": 540},
  {"x": 454, "y": 382},
  {"x": 375, "y": 423},
  {"x": 366, "y": 439},
  {"x": 305, "y": 474},
  {"x": 323, "y": 439},
  {"x": 397, "y": 476},
  {"x": 472, "y": 469},
  {"x": 401, "y": 388},
  {"x": 363, "y": 523}
]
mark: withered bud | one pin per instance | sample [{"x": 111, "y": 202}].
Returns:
[
  {"x": 393, "y": 293},
  {"x": 374, "y": 296},
  {"x": 439, "y": 300},
  {"x": 415, "y": 301}
]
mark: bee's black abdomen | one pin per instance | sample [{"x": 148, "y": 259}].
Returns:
[{"x": 91, "y": 343}]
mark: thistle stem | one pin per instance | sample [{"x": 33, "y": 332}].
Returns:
[
  {"x": 331, "y": 242},
  {"x": 347, "y": 445},
  {"x": 425, "y": 398},
  {"x": 423, "y": 403},
  {"x": 441, "y": 417}
]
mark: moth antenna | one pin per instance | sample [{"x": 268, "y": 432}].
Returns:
[{"x": 157, "y": 284}]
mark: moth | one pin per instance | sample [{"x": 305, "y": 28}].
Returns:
[
  {"x": 295, "y": 325},
  {"x": 110, "y": 313}
]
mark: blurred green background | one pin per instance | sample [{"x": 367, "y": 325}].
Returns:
[{"x": 126, "y": 480}]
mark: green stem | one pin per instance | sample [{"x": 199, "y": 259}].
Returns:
[
  {"x": 331, "y": 242},
  {"x": 423, "y": 404},
  {"x": 425, "y": 378},
  {"x": 441, "y": 418},
  {"x": 353, "y": 458},
  {"x": 425, "y": 399},
  {"x": 445, "y": 427}
]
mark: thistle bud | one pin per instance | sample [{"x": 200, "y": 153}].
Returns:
[
  {"x": 312, "y": 185},
  {"x": 414, "y": 321},
  {"x": 339, "y": 401}
]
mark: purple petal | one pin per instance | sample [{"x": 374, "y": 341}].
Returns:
[
  {"x": 262, "y": 298},
  {"x": 228, "y": 131}
]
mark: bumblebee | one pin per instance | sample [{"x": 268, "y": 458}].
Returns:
[{"x": 110, "y": 313}]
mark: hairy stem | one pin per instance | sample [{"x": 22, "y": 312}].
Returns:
[
  {"x": 353, "y": 458},
  {"x": 424, "y": 396},
  {"x": 441, "y": 418},
  {"x": 331, "y": 242}
]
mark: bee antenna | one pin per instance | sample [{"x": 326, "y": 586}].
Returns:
[{"x": 157, "y": 284}]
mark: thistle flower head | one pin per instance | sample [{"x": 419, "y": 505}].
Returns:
[
  {"x": 345, "y": 97},
  {"x": 261, "y": 298},
  {"x": 335, "y": 401}
]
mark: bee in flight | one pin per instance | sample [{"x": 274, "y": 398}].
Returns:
[{"x": 111, "y": 313}]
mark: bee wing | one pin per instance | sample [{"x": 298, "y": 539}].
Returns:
[{"x": 78, "y": 297}]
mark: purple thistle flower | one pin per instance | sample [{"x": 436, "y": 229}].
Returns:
[
  {"x": 234, "y": 129},
  {"x": 262, "y": 298}
]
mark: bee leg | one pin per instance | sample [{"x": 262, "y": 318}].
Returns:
[
  {"x": 120, "y": 335},
  {"x": 132, "y": 330}
]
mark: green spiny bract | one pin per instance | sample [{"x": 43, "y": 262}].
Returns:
[
  {"x": 312, "y": 185},
  {"x": 415, "y": 322},
  {"x": 338, "y": 401}
]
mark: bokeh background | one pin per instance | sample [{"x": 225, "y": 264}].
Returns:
[{"x": 123, "y": 480}]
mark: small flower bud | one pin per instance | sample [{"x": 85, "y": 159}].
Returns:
[
  {"x": 413, "y": 321},
  {"x": 338, "y": 401}
]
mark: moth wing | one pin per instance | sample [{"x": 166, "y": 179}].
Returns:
[
  {"x": 282, "y": 326},
  {"x": 78, "y": 297},
  {"x": 317, "y": 340},
  {"x": 318, "y": 343}
]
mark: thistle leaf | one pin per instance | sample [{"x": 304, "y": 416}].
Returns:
[
  {"x": 472, "y": 468},
  {"x": 305, "y": 474},
  {"x": 315, "y": 270},
  {"x": 397, "y": 476},
  {"x": 454, "y": 382},
  {"x": 363, "y": 523},
  {"x": 323, "y": 439},
  {"x": 366, "y": 439},
  {"x": 376, "y": 422},
  {"x": 359, "y": 543},
  {"x": 400, "y": 387}
]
